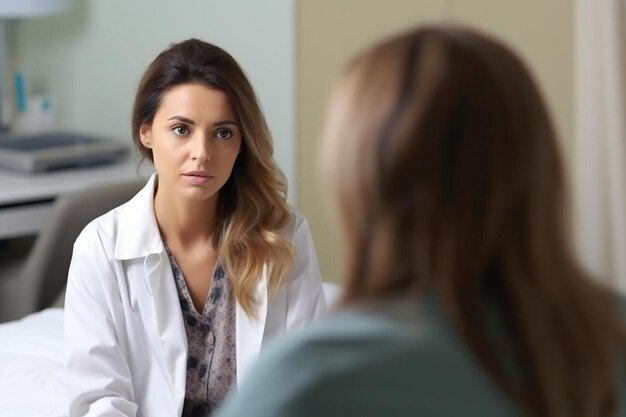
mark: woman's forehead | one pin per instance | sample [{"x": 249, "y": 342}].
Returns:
[{"x": 195, "y": 102}]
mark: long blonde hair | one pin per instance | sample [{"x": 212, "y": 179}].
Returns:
[
  {"x": 252, "y": 206},
  {"x": 448, "y": 179}
]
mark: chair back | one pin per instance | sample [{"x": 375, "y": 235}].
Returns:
[{"x": 44, "y": 274}]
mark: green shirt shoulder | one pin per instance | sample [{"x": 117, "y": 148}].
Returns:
[{"x": 370, "y": 362}]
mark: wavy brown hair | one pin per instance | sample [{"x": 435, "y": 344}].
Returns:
[
  {"x": 252, "y": 206},
  {"x": 447, "y": 174}
]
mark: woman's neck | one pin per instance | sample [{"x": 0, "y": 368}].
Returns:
[{"x": 184, "y": 223}]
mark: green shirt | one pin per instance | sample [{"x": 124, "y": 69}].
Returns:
[{"x": 398, "y": 359}]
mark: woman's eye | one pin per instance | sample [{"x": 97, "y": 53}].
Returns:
[
  {"x": 180, "y": 130},
  {"x": 223, "y": 134}
]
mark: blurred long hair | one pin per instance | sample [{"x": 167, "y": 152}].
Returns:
[
  {"x": 446, "y": 171},
  {"x": 252, "y": 207}
]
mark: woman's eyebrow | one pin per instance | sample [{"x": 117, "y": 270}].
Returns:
[
  {"x": 225, "y": 122},
  {"x": 182, "y": 119},
  {"x": 216, "y": 124}
]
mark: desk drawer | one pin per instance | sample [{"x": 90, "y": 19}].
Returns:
[{"x": 23, "y": 220}]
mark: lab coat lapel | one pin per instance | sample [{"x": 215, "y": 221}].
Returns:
[
  {"x": 250, "y": 329},
  {"x": 169, "y": 322},
  {"x": 139, "y": 238}
]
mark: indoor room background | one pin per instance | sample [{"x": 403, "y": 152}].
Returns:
[{"x": 88, "y": 62}]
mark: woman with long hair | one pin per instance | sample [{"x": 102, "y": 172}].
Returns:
[
  {"x": 171, "y": 295},
  {"x": 462, "y": 294}
]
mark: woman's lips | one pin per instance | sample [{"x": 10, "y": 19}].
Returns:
[{"x": 197, "y": 177}]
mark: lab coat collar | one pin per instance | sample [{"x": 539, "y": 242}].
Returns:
[
  {"x": 138, "y": 236},
  {"x": 138, "y": 233}
]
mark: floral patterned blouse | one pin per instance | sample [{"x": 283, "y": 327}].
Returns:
[{"x": 211, "y": 353}]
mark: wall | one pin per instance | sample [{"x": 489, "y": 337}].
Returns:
[
  {"x": 330, "y": 31},
  {"x": 89, "y": 60}
]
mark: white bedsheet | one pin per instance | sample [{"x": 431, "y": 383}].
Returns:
[
  {"x": 31, "y": 366},
  {"x": 31, "y": 363}
]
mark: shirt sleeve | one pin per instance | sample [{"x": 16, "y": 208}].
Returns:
[
  {"x": 305, "y": 297},
  {"x": 96, "y": 371}
]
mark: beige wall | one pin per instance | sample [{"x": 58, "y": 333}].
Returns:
[{"x": 330, "y": 31}]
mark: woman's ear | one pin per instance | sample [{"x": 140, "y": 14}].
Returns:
[{"x": 145, "y": 135}]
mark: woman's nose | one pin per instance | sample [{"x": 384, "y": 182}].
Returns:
[{"x": 201, "y": 149}]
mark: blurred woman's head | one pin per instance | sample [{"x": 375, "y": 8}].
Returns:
[
  {"x": 441, "y": 153},
  {"x": 445, "y": 168}
]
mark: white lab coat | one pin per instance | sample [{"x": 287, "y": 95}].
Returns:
[{"x": 126, "y": 347}]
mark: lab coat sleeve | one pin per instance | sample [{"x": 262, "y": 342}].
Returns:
[
  {"x": 96, "y": 371},
  {"x": 305, "y": 297}
]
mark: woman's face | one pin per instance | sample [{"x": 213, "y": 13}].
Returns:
[{"x": 195, "y": 139}]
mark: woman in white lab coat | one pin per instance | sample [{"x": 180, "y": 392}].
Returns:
[{"x": 171, "y": 296}]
